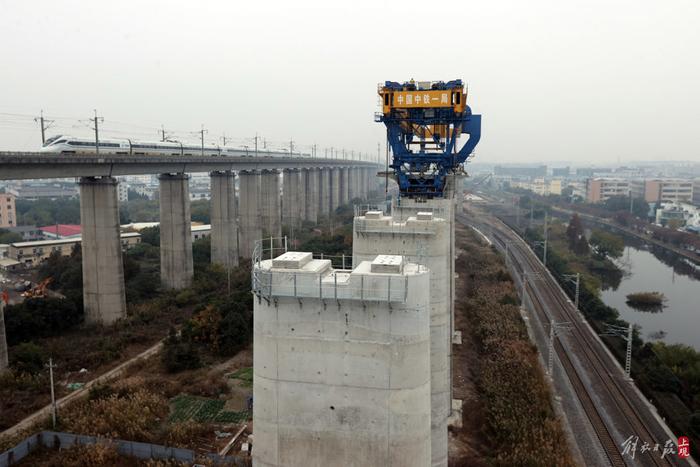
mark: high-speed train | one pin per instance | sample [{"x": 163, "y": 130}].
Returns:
[{"x": 64, "y": 144}]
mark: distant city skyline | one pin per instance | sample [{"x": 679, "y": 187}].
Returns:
[{"x": 589, "y": 83}]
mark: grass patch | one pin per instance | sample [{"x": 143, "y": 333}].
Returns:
[
  {"x": 202, "y": 410},
  {"x": 245, "y": 375}
]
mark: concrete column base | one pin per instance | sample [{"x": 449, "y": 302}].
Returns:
[
  {"x": 249, "y": 211},
  {"x": 176, "y": 266},
  {"x": 104, "y": 297}
]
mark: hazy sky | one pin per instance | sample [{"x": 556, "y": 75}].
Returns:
[{"x": 580, "y": 81}]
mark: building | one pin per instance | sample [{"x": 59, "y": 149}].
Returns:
[
  {"x": 696, "y": 192},
  {"x": 601, "y": 189},
  {"x": 41, "y": 190},
  {"x": 61, "y": 231},
  {"x": 123, "y": 191},
  {"x": 561, "y": 171},
  {"x": 678, "y": 215},
  {"x": 664, "y": 190},
  {"x": 28, "y": 232},
  {"x": 8, "y": 213},
  {"x": 342, "y": 362},
  {"x": 520, "y": 171},
  {"x": 33, "y": 253},
  {"x": 540, "y": 186}
]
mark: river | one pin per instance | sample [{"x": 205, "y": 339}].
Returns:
[{"x": 649, "y": 268}]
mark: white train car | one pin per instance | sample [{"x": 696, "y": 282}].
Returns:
[{"x": 74, "y": 145}]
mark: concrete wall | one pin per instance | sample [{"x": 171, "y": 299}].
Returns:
[
  {"x": 270, "y": 215},
  {"x": 224, "y": 222},
  {"x": 342, "y": 382},
  {"x": 426, "y": 242},
  {"x": 104, "y": 297},
  {"x": 250, "y": 229},
  {"x": 176, "y": 265}
]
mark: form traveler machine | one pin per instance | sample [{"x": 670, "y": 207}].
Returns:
[{"x": 424, "y": 121}]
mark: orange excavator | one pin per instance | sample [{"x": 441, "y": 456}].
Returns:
[{"x": 39, "y": 290}]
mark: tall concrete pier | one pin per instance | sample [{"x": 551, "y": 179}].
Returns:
[
  {"x": 344, "y": 198},
  {"x": 324, "y": 191},
  {"x": 4, "y": 362},
  {"x": 421, "y": 233},
  {"x": 310, "y": 180},
  {"x": 224, "y": 222},
  {"x": 176, "y": 266},
  {"x": 250, "y": 229},
  {"x": 335, "y": 189},
  {"x": 341, "y": 363},
  {"x": 104, "y": 298},
  {"x": 270, "y": 215},
  {"x": 292, "y": 198}
]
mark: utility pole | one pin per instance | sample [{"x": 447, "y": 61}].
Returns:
[
  {"x": 626, "y": 333},
  {"x": 223, "y": 139},
  {"x": 97, "y": 119},
  {"x": 202, "y": 132},
  {"x": 555, "y": 330},
  {"x": 256, "y": 144},
  {"x": 162, "y": 135},
  {"x": 44, "y": 124},
  {"x": 544, "y": 255},
  {"x": 291, "y": 147},
  {"x": 51, "y": 366}
]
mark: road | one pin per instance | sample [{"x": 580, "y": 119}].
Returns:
[{"x": 615, "y": 409}]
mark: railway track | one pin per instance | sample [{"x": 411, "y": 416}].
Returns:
[{"x": 596, "y": 379}]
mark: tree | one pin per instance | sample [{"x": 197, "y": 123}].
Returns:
[
  {"x": 133, "y": 194},
  {"x": 640, "y": 207},
  {"x": 577, "y": 239},
  {"x": 28, "y": 358},
  {"x": 179, "y": 354},
  {"x": 151, "y": 235},
  {"x": 9, "y": 237},
  {"x": 199, "y": 211},
  {"x": 606, "y": 244},
  {"x": 40, "y": 317}
]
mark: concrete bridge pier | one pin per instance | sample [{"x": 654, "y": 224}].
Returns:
[
  {"x": 352, "y": 191},
  {"x": 224, "y": 225},
  {"x": 291, "y": 198},
  {"x": 335, "y": 189},
  {"x": 344, "y": 198},
  {"x": 250, "y": 229},
  {"x": 270, "y": 203},
  {"x": 4, "y": 362},
  {"x": 104, "y": 297},
  {"x": 309, "y": 180},
  {"x": 324, "y": 191},
  {"x": 176, "y": 268}
]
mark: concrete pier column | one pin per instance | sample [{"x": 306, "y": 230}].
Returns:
[
  {"x": 310, "y": 180},
  {"x": 270, "y": 203},
  {"x": 4, "y": 361},
  {"x": 224, "y": 222},
  {"x": 324, "y": 191},
  {"x": 357, "y": 172},
  {"x": 335, "y": 188},
  {"x": 352, "y": 192},
  {"x": 291, "y": 213},
  {"x": 344, "y": 198},
  {"x": 104, "y": 298},
  {"x": 250, "y": 229},
  {"x": 176, "y": 268}
]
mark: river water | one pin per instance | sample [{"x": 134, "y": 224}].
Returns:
[{"x": 647, "y": 269}]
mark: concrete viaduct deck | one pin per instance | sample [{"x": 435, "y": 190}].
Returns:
[
  {"x": 37, "y": 165},
  {"x": 310, "y": 188}
]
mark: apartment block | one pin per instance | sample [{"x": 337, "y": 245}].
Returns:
[{"x": 8, "y": 214}]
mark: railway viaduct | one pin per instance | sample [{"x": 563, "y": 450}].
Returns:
[{"x": 310, "y": 187}]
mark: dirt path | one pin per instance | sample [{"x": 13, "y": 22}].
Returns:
[{"x": 46, "y": 410}]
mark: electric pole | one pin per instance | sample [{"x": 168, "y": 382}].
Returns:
[
  {"x": 627, "y": 334},
  {"x": 44, "y": 124},
  {"x": 202, "y": 132},
  {"x": 96, "y": 121},
  {"x": 544, "y": 255},
  {"x": 223, "y": 139},
  {"x": 51, "y": 366},
  {"x": 291, "y": 147},
  {"x": 256, "y": 144},
  {"x": 162, "y": 133},
  {"x": 555, "y": 330}
]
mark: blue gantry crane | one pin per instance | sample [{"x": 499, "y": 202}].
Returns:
[{"x": 424, "y": 120}]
